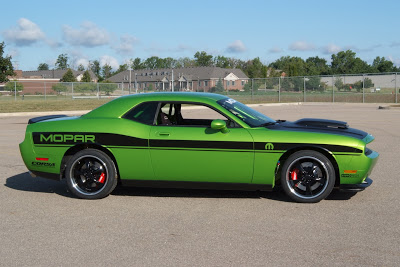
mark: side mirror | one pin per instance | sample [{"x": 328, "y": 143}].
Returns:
[{"x": 219, "y": 125}]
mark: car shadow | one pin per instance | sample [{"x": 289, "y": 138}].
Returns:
[{"x": 24, "y": 182}]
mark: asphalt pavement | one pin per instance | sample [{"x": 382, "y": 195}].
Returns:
[{"x": 42, "y": 224}]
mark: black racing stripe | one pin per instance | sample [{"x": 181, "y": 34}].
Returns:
[
  {"x": 287, "y": 146},
  {"x": 201, "y": 144},
  {"x": 57, "y": 138},
  {"x": 107, "y": 139}
]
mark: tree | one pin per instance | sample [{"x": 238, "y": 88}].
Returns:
[
  {"x": 68, "y": 76},
  {"x": 86, "y": 77},
  {"x": 292, "y": 66},
  {"x": 95, "y": 67},
  {"x": 108, "y": 87},
  {"x": 59, "y": 88},
  {"x": 107, "y": 71},
  {"x": 316, "y": 66},
  {"x": 380, "y": 64},
  {"x": 137, "y": 64},
  {"x": 346, "y": 62},
  {"x": 185, "y": 62},
  {"x": 203, "y": 59},
  {"x": 6, "y": 67},
  {"x": 219, "y": 87},
  {"x": 43, "y": 66},
  {"x": 339, "y": 83},
  {"x": 314, "y": 83},
  {"x": 11, "y": 86},
  {"x": 222, "y": 62},
  {"x": 81, "y": 67},
  {"x": 256, "y": 69},
  {"x": 62, "y": 62}
]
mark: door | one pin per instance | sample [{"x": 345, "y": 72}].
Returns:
[{"x": 183, "y": 147}]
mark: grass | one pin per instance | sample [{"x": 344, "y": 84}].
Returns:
[
  {"x": 9, "y": 104},
  {"x": 50, "y": 105}
]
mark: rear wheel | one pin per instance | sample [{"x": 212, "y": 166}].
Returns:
[
  {"x": 91, "y": 174},
  {"x": 307, "y": 176}
]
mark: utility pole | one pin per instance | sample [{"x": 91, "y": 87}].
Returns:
[{"x": 172, "y": 82}]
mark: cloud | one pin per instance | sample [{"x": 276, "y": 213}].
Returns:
[
  {"x": 275, "y": 50},
  {"x": 396, "y": 61},
  {"x": 125, "y": 46},
  {"x": 331, "y": 49},
  {"x": 25, "y": 33},
  {"x": 301, "y": 46},
  {"x": 394, "y": 44},
  {"x": 106, "y": 59},
  {"x": 236, "y": 47},
  {"x": 88, "y": 35}
]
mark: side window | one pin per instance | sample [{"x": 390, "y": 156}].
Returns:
[
  {"x": 143, "y": 113},
  {"x": 189, "y": 115},
  {"x": 199, "y": 112}
]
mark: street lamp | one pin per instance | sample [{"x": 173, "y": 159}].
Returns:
[
  {"x": 136, "y": 83},
  {"x": 130, "y": 79}
]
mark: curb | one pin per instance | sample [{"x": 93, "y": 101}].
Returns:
[{"x": 43, "y": 113}]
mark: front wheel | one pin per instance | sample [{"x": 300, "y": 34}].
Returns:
[
  {"x": 307, "y": 176},
  {"x": 91, "y": 174}
]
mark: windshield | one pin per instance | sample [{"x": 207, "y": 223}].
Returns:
[{"x": 248, "y": 115}]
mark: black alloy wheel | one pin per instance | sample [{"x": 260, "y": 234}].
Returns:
[
  {"x": 307, "y": 176},
  {"x": 91, "y": 174}
]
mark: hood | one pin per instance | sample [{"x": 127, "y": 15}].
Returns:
[{"x": 319, "y": 126}]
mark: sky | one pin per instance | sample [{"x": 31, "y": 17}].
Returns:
[{"x": 113, "y": 32}]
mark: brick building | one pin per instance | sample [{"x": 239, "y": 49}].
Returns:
[{"x": 184, "y": 79}]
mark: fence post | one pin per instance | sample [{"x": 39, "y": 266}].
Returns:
[
  {"x": 72, "y": 86},
  {"x": 333, "y": 89},
  {"x": 44, "y": 91},
  {"x": 252, "y": 89},
  {"x": 279, "y": 90},
  {"x": 98, "y": 91},
  {"x": 395, "y": 85},
  {"x": 15, "y": 91},
  {"x": 304, "y": 86},
  {"x": 363, "y": 89}
]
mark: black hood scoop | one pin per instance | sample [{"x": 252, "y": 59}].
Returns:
[
  {"x": 319, "y": 126},
  {"x": 320, "y": 123}
]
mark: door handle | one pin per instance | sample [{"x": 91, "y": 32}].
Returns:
[{"x": 163, "y": 134}]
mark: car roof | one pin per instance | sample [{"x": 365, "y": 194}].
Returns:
[{"x": 119, "y": 106}]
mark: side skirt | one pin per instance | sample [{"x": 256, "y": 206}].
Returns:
[{"x": 197, "y": 185}]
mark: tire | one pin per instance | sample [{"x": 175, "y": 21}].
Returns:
[
  {"x": 91, "y": 174},
  {"x": 307, "y": 176}
]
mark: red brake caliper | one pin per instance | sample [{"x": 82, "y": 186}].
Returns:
[
  {"x": 102, "y": 178},
  {"x": 293, "y": 175}
]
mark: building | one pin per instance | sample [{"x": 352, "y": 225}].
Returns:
[
  {"x": 201, "y": 79},
  {"x": 41, "y": 81}
]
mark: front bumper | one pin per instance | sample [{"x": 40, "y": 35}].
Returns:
[{"x": 356, "y": 187}]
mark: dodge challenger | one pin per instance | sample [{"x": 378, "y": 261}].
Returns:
[{"x": 196, "y": 140}]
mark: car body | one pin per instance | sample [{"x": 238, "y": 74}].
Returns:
[{"x": 196, "y": 140}]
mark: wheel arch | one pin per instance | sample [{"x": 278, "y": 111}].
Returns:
[
  {"x": 75, "y": 149},
  {"x": 319, "y": 149}
]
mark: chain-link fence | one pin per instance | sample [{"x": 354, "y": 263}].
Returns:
[{"x": 362, "y": 88}]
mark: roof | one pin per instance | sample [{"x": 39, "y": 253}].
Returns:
[
  {"x": 53, "y": 74},
  {"x": 190, "y": 74},
  {"x": 121, "y": 105}
]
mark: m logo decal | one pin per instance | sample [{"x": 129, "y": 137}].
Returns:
[{"x": 269, "y": 146}]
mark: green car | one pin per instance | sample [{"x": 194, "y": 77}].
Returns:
[{"x": 196, "y": 140}]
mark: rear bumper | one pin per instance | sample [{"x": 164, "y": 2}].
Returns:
[{"x": 356, "y": 187}]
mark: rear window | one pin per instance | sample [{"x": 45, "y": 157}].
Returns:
[{"x": 143, "y": 113}]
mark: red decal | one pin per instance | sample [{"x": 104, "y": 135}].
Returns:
[{"x": 42, "y": 159}]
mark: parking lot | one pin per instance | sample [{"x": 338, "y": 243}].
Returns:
[{"x": 41, "y": 223}]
